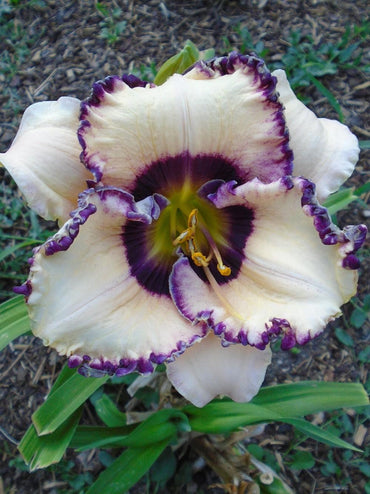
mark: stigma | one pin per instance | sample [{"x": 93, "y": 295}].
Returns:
[{"x": 189, "y": 239}]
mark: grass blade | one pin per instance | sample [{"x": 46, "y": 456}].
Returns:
[
  {"x": 13, "y": 248},
  {"x": 328, "y": 95}
]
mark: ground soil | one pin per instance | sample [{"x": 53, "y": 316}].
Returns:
[{"x": 66, "y": 56}]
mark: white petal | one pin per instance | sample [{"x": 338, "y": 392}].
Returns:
[
  {"x": 289, "y": 282},
  {"x": 325, "y": 151},
  {"x": 207, "y": 369},
  {"x": 44, "y": 158},
  {"x": 233, "y": 116},
  {"x": 83, "y": 299}
]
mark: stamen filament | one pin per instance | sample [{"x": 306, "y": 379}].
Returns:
[
  {"x": 222, "y": 268},
  {"x": 216, "y": 288}
]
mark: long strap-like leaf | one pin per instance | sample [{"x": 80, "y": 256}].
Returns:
[{"x": 14, "y": 320}]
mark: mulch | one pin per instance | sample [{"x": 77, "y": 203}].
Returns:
[{"x": 64, "y": 54}]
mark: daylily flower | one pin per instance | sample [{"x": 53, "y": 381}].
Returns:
[{"x": 196, "y": 240}]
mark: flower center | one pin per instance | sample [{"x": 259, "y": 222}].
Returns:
[
  {"x": 213, "y": 239},
  {"x": 192, "y": 224}
]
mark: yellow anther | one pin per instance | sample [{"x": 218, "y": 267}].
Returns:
[
  {"x": 224, "y": 270},
  {"x": 184, "y": 236},
  {"x": 199, "y": 259},
  {"x": 193, "y": 219},
  {"x": 189, "y": 233}
]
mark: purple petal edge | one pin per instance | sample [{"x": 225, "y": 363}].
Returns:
[
  {"x": 108, "y": 85},
  {"x": 329, "y": 233},
  {"x": 98, "y": 92},
  {"x": 262, "y": 77},
  {"x": 25, "y": 289},
  {"x": 144, "y": 211},
  {"x": 98, "y": 367},
  {"x": 275, "y": 328}
]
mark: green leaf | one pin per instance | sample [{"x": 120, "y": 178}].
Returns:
[
  {"x": 263, "y": 455},
  {"x": 344, "y": 337},
  {"x": 145, "y": 444},
  {"x": 275, "y": 403},
  {"x": 65, "y": 374},
  {"x": 363, "y": 189},
  {"x": 89, "y": 437},
  {"x": 320, "y": 69},
  {"x": 330, "y": 467},
  {"x": 358, "y": 318},
  {"x": 302, "y": 460},
  {"x": 148, "y": 396},
  {"x": 221, "y": 417},
  {"x": 365, "y": 469},
  {"x": 102, "y": 9},
  {"x": 107, "y": 410},
  {"x": 178, "y": 63},
  {"x": 127, "y": 469},
  {"x": 62, "y": 402},
  {"x": 159, "y": 426},
  {"x": 340, "y": 200},
  {"x": 14, "y": 320},
  {"x": 42, "y": 451},
  {"x": 256, "y": 450},
  {"x": 105, "y": 458},
  {"x": 164, "y": 468},
  {"x": 364, "y": 355},
  {"x": 310, "y": 397},
  {"x": 207, "y": 54},
  {"x": 320, "y": 434},
  {"x": 276, "y": 487},
  {"x": 346, "y": 54}
]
